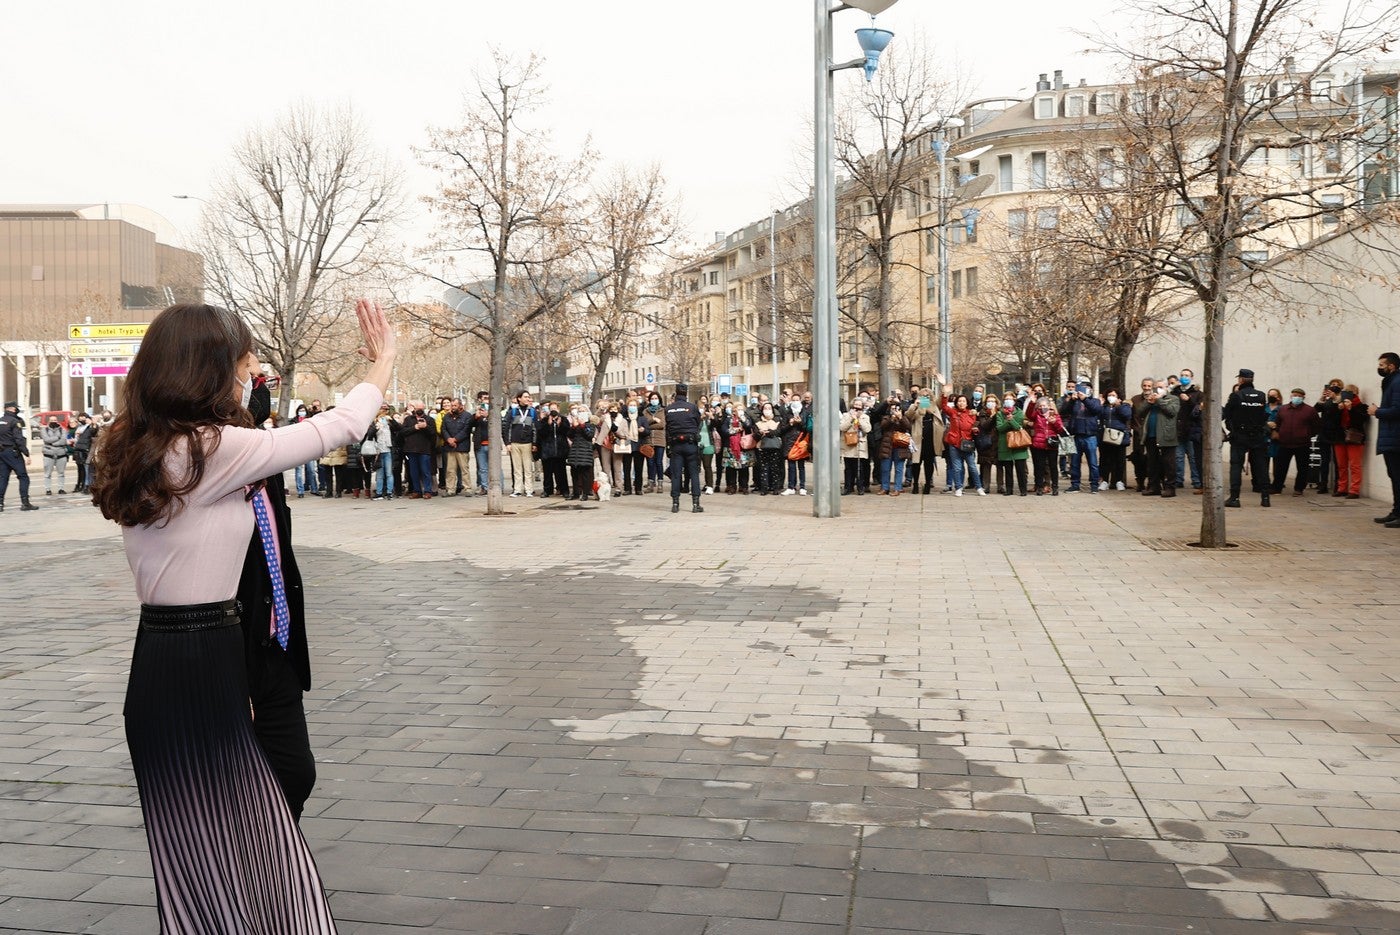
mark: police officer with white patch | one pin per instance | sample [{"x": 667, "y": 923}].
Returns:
[
  {"x": 683, "y": 442},
  {"x": 1246, "y": 425},
  {"x": 14, "y": 450}
]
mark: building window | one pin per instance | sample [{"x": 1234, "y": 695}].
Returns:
[
  {"x": 1038, "y": 173},
  {"x": 1322, "y": 90},
  {"x": 1332, "y": 204},
  {"x": 1105, "y": 102},
  {"x": 970, "y": 280},
  {"x": 734, "y": 359},
  {"x": 957, "y": 283},
  {"x": 36, "y": 274},
  {"x": 749, "y": 357},
  {"x": 1016, "y": 222},
  {"x": 1047, "y": 219},
  {"x": 714, "y": 277},
  {"x": 1254, "y": 257},
  {"x": 1044, "y": 106},
  {"x": 1074, "y": 105},
  {"x": 1004, "y": 176},
  {"x": 969, "y": 227},
  {"x": 1106, "y": 174},
  {"x": 930, "y": 289},
  {"x": 930, "y": 242}
]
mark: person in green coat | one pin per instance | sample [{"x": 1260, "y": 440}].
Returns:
[{"x": 1010, "y": 418}]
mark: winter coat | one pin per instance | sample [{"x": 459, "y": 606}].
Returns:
[
  {"x": 928, "y": 430},
  {"x": 417, "y": 441},
  {"x": 457, "y": 425},
  {"x": 552, "y": 435},
  {"x": 628, "y": 433},
  {"x": 1045, "y": 427},
  {"x": 1296, "y": 425},
  {"x": 861, "y": 449},
  {"x": 1119, "y": 417},
  {"x": 580, "y": 443},
  {"x": 1188, "y": 419},
  {"x": 893, "y": 422},
  {"x": 987, "y": 433},
  {"x": 82, "y": 440},
  {"x": 1329, "y": 421},
  {"x": 1081, "y": 416},
  {"x": 1388, "y": 415},
  {"x": 1354, "y": 418},
  {"x": 55, "y": 441},
  {"x": 656, "y": 427},
  {"x": 336, "y": 457},
  {"x": 769, "y": 433},
  {"x": 518, "y": 425},
  {"x": 1167, "y": 408},
  {"x": 731, "y": 427},
  {"x": 791, "y": 430},
  {"x": 1006, "y": 423},
  {"x": 961, "y": 423}
]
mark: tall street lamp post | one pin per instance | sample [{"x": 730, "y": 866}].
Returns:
[
  {"x": 945, "y": 333},
  {"x": 826, "y": 501}
]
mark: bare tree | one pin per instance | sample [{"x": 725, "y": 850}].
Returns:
[
  {"x": 292, "y": 227},
  {"x": 1237, "y": 82},
  {"x": 511, "y": 223},
  {"x": 633, "y": 218},
  {"x": 883, "y": 144}
]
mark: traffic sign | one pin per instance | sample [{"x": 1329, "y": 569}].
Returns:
[
  {"x": 110, "y": 349},
  {"x": 651, "y": 379},
  {"x": 724, "y": 381},
  {"x": 86, "y": 368},
  {"x": 741, "y": 389},
  {"x": 108, "y": 332}
]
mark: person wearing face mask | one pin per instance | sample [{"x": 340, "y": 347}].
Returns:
[
  {"x": 554, "y": 436},
  {"x": 734, "y": 427},
  {"x": 55, "y": 442},
  {"x": 656, "y": 439},
  {"x": 1275, "y": 404},
  {"x": 1113, "y": 445},
  {"x": 1046, "y": 427},
  {"x": 960, "y": 443},
  {"x": 1008, "y": 419},
  {"x": 1247, "y": 420},
  {"x": 1159, "y": 436},
  {"x": 709, "y": 445},
  {"x": 185, "y": 482},
  {"x": 1138, "y": 456},
  {"x": 1387, "y": 416},
  {"x": 770, "y": 452},
  {"x": 927, "y": 431},
  {"x": 629, "y": 429},
  {"x": 580, "y": 432},
  {"x": 1296, "y": 424},
  {"x": 14, "y": 453},
  {"x": 987, "y": 464},
  {"x": 306, "y": 475},
  {"x": 1189, "y": 429},
  {"x": 481, "y": 444},
  {"x": 855, "y": 447},
  {"x": 796, "y": 421},
  {"x": 604, "y": 441},
  {"x": 1350, "y": 452},
  {"x": 82, "y": 447},
  {"x": 1082, "y": 412},
  {"x": 1329, "y": 433}
]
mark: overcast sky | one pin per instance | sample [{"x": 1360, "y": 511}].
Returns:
[{"x": 140, "y": 100}]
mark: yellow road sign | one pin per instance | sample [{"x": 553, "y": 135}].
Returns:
[
  {"x": 104, "y": 349},
  {"x": 106, "y": 332}
]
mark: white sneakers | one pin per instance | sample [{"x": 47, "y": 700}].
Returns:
[
  {"x": 787, "y": 492},
  {"x": 981, "y": 492},
  {"x": 515, "y": 493},
  {"x": 1103, "y": 485},
  {"x": 1119, "y": 486},
  {"x": 709, "y": 490},
  {"x": 803, "y": 491},
  {"x": 958, "y": 492}
]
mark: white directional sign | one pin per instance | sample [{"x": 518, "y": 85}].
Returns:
[{"x": 109, "y": 349}]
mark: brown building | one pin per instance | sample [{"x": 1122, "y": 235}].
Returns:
[{"x": 63, "y": 264}]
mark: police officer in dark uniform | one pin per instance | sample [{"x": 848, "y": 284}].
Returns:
[
  {"x": 277, "y": 677},
  {"x": 1247, "y": 431},
  {"x": 14, "y": 450},
  {"x": 683, "y": 442}
]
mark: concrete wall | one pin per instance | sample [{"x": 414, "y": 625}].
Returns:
[{"x": 1302, "y": 324}]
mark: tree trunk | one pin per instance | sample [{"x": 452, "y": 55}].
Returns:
[
  {"x": 495, "y": 497},
  {"x": 285, "y": 393},
  {"x": 596, "y": 392},
  {"x": 1212, "y": 439}
]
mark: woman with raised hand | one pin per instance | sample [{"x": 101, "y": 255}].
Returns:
[{"x": 181, "y": 473}]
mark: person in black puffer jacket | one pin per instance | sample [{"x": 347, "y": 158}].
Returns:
[
  {"x": 552, "y": 436},
  {"x": 581, "y": 430}
]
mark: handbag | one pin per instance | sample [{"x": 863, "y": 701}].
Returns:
[
  {"x": 622, "y": 446},
  {"x": 746, "y": 442},
  {"x": 1353, "y": 437},
  {"x": 771, "y": 442},
  {"x": 1067, "y": 445},
  {"x": 901, "y": 440},
  {"x": 1018, "y": 439},
  {"x": 967, "y": 445},
  {"x": 801, "y": 447},
  {"x": 851, "y": 437},
  {"x": 1114, "y": 436},
  {"x": 646, "y": 450},
  {"x": 369, "y": 449}
]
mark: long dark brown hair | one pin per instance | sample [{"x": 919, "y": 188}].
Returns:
[{"x": 179, "y": 387}]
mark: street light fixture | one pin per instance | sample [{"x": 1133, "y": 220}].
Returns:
[{"x": 826, "y": 501}]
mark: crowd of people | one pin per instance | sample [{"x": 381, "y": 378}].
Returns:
[{"x": 1022, "y": 441}]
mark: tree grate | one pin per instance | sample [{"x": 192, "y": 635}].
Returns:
[{"x": 1236, "y": 545}]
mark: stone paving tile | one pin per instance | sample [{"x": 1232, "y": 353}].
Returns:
[{"x": 613, "y": 721}]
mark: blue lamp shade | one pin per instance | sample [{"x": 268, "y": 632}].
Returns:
[{"x": 873, "y": 41}]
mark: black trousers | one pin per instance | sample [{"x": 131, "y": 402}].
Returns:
[
  {"x": 556, "y": 478},
  {"x": 1281, "y": 461},
  {"x": 1258, "y": 467},
  {"x": 1161, "y": 466},
  {"x": 1113, "y": 464},
  {"x": 1046, "y": 462},
  {"x": 10, "y": 461},
  {"x": 857, "y": 474},
  {"x": 279, "y": 723},
  {"x": 685, "y": 469},
  {"x": 1392, "y": 467},
  {"x": 583, "y": 481}
]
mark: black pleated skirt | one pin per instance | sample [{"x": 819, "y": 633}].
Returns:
[{"x": 227, "y": 854}]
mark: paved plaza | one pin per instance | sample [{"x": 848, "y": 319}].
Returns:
[{"x": 1002, "y": 715}]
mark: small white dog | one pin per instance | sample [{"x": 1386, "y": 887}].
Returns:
[{"x": 604, "y": 488}]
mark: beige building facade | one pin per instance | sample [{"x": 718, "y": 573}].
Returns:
[{"x": 67, "y": 264}]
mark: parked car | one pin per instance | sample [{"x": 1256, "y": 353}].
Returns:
[{"x": 66, "y": 418}]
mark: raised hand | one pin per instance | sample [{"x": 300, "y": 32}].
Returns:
[{"x": 380, "y": 339}]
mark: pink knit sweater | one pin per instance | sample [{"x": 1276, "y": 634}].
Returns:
[{"x": 197, "y": 557}]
